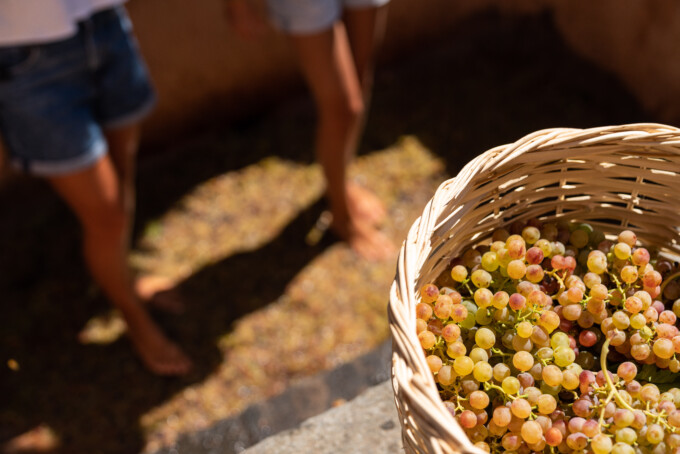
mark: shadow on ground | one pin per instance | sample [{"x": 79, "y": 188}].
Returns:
[{"x": 489, "y": 82}]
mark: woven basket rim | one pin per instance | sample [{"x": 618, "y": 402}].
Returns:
[{"x": 425, "y": 247}]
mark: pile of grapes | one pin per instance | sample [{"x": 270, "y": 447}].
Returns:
[{"x": 554, "y": 338}]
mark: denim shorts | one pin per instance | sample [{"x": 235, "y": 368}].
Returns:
[
  {"x": 56, "y": 99},
  {"x": 312, "y": 16}
]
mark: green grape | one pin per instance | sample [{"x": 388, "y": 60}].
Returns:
[
  {"x": 544, "y": 245},
  {"x": 570, "y": 380},
  {"x": 626, "y": 435},
  {"x": 510, "y": 385},
  {"x": 479, "y": 354},
  {"x": 483, "y": 317},
  {"x": 622, "y": 448},
  {"x": 663, "y": 348},
  {"x": 490, "y": 261},
  {"x": 531, "y": 234},
  {"x": 456, "y": 349},
  {"x": 622, "y": 251},
  {"x": 590, "y": 279},
  {"x": 481, "y": 278},
  {"x": 559, "y": 339},
  {"x": 485, "y": 338},
  {"x": 601, "y": 444},
  {"x": 655, "y": 434},
  {"x": 650, "y": 393},
  {"x": 524, "y": 329},
  {"x": 500, "y": 372},
  {"x": 597, "y": 262},
  {"x": 621, "y": 320},
  {"x": 459, "y": 273},
  {"x": 637, "y": 321},
  {"x": 482, "y": 372},
  {"x": 469, "y": 321},
  {"x": 564, "y": 356},
  {"x": 483, "y": 297},
  {"x": 463, "y": 365},
  {"x": 579, "y": 238}
]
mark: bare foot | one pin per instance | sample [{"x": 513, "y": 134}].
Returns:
[
  {"x": 364, "y": 204},
  {"x": 158, "y": 353},
  {"x": 365, "y": 239},
  {"x": 160, "y": 292}
]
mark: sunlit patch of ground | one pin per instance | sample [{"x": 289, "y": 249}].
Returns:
[{"x": 332, "y": 311}]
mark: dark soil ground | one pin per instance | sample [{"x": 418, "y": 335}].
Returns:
[{"x": 224, "y": 218}]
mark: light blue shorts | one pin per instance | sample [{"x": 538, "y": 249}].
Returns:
[
  {"x": 56, "y": 99},
  {"x": 312, "y": 16}
]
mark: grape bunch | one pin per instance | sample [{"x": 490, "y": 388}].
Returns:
[{"x": 534, "y": 341}]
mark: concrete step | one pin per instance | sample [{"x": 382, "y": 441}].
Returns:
[
  {"x": 303, "y": 400},
  {"x": 369, "y": 424}
]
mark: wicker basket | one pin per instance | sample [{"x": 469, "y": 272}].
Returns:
[{"x": 611, "y": 177}]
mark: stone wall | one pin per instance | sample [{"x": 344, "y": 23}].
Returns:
[
  {"x": 636, "y": 40},
  {"x": 206, "y": 76}
]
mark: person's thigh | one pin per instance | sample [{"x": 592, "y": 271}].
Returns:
[
  {"x": 100, "y": 204},
  {"x": 326, "y": 62}
]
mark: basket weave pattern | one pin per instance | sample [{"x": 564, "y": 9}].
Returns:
[{"x": 614, "y": 178}]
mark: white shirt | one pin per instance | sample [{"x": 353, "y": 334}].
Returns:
[{"x": 39, "y": 21}]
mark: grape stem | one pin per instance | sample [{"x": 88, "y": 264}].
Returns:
[
  {"x": 605, "y": 372},
  {"x": 659, "y": 419}
]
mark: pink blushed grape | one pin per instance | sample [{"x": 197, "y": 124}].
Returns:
[
  {"x": 517, "y": 302},
  {"x": 627, "y": 371},
  {"x": 628, "y": 237},
  {"x": 429, "y": 293}
]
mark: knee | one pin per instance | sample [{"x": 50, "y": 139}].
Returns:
[
  {"x": 109, "y": 220},
  {"x": 343, "y": 110}
]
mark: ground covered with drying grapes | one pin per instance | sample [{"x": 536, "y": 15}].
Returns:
[{"x": 223, "y": 219}]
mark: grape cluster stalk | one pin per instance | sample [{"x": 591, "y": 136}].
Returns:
[{"x": 543, "y": 339}]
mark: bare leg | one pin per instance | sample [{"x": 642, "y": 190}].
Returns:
[
  {"x": 123, "y": 144},
  {"x": 100, "y": 200},
  {"x": 365, "y": 29},
  {"x": 327, "y": 63}
]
